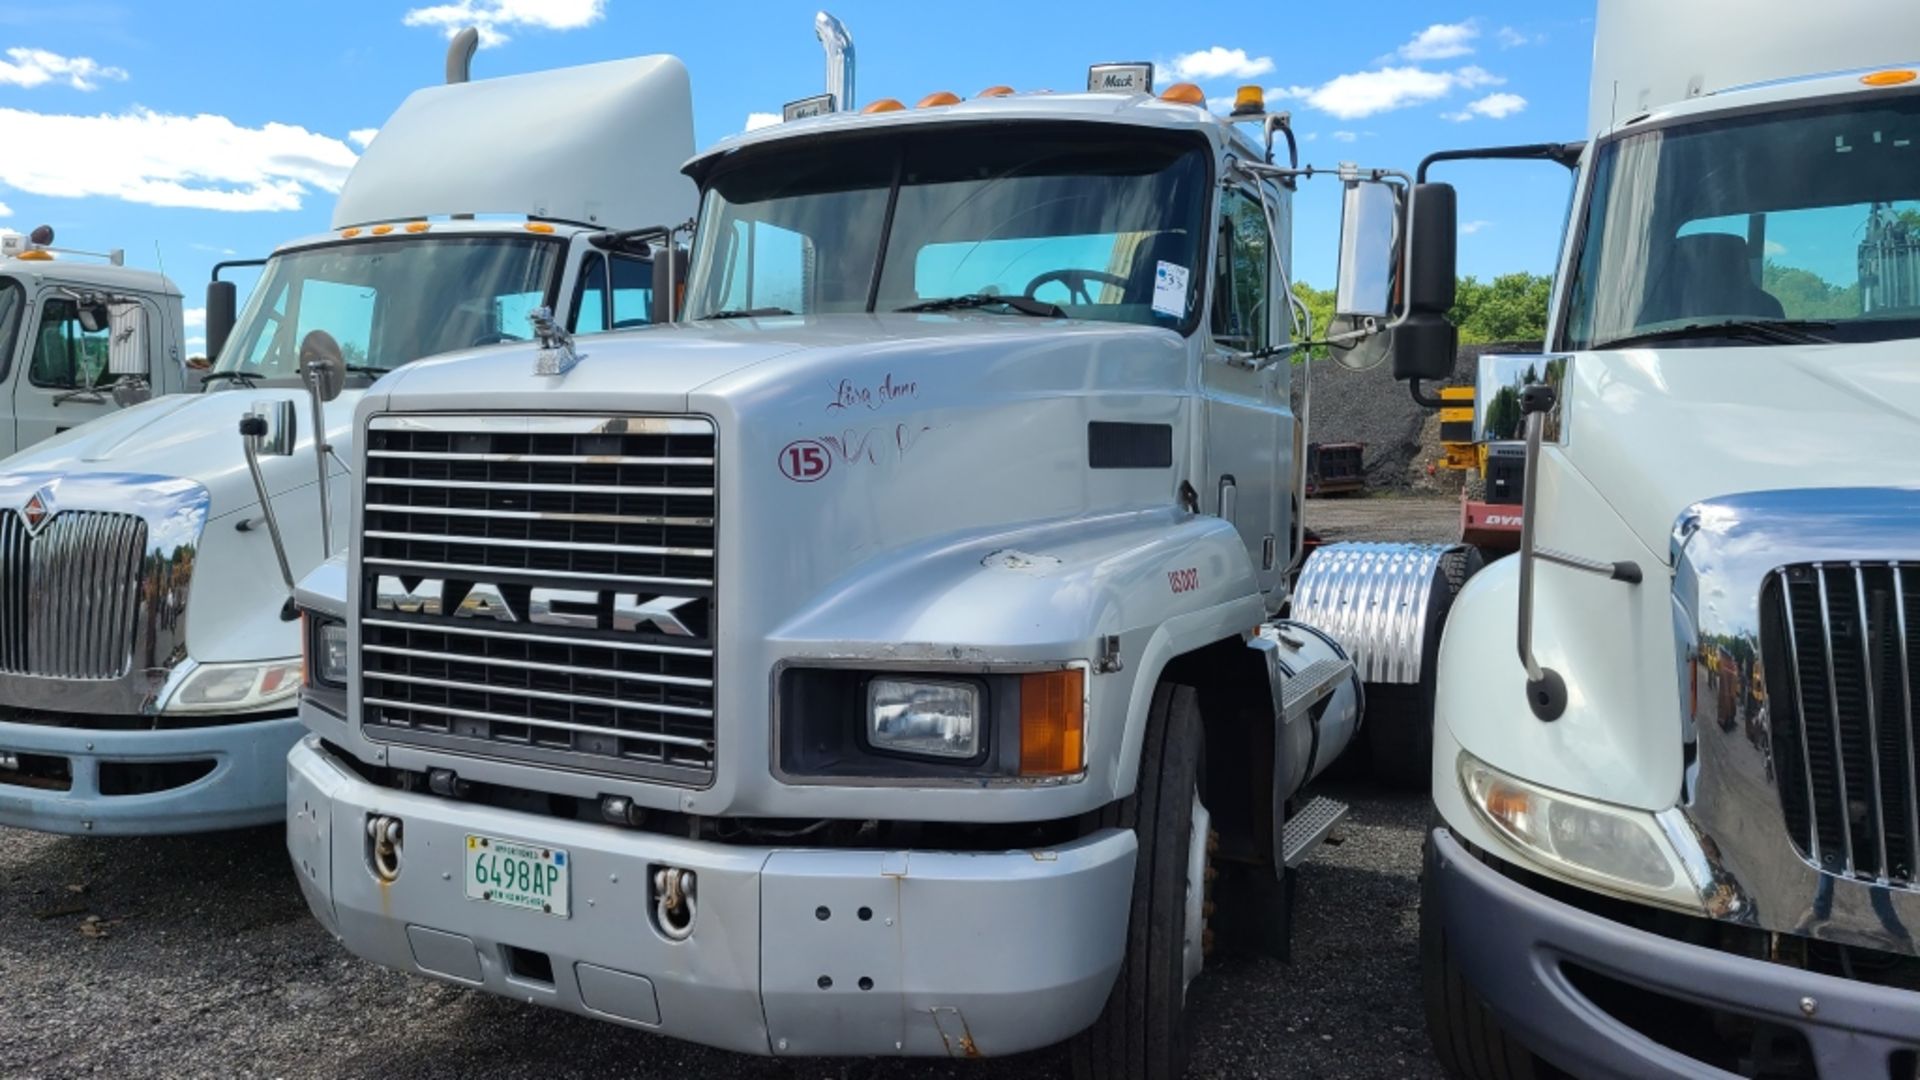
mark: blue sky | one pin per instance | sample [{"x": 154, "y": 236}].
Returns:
[{"x": 188, "y": 133}]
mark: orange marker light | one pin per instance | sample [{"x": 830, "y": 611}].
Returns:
[
  {"x": 381, "y": 230},
  {"x": 996, "y": 91},
  {"x": 1892, "y": 77},
  {"x": 417, "y": 226},
  {"x": 35, "y": 255},
  {"x": 1052, "y": 723},
  {"x": 885, "y": 104},
  {"x": 937, "y": 99},
  {"x": 1184, "y": 93},
  {"x": 350, "y": 233},
  {"x": 539, "y": 226},
  {"x": 1249, "y": 101}
]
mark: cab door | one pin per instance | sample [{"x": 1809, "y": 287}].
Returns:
[
  {"x": 61, "y": 377},
  {"x": 1248, "y": 423}
]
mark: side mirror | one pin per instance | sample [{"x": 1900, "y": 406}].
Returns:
[
  {"x": 222, "y": 306},
  {"x": 1500, "y": 384},
  {"x": 274, "y": 427},
  {"x": 669, "y": 281},
  {"x": 1424, "y": 346},
  {"x": 323, "y": 367},
  {"x": 1369, "y": 231}
]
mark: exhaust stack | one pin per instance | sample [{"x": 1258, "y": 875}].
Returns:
[
  {"x": 460, "y": 52},
  {"x": 839, "y": 47}
]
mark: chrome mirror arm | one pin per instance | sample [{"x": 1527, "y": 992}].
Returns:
[
  {"x": 1546, "y": 690},
  {"x": 253, "y": 427}
]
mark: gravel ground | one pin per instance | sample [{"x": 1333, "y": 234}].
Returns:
[{"x": 195, "y": 956}]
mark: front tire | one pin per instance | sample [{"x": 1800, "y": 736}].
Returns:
[
  {"x": 1142, "y": 1033},
  {"x": 1467, "y": 1038}
]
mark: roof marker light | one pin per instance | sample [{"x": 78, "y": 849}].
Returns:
[
  {"x": 538, "y": 226},
  {"x": 937, "y": 99},
  {"x": 880, "y": 105},
  {"x": 1249, "y": 101},
  {"x": 350, "y": 233},
  {"x": 1184, "y": 93},
  {"x": 381, "y": 230},
  {"x": 418, "y": 226},
  {"x": 996, "y": 91},
  {"x": 35, "y": 255},
  {"x": 1890, "y": 77}
]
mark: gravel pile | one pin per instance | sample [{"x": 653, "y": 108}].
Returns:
[{"x": 1372, "y": 407}]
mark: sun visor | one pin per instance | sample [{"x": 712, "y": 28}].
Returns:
[{"x": 597, "y": 144}]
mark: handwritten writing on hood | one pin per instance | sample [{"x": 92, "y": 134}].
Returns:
[{"x": 848, "y": 394}]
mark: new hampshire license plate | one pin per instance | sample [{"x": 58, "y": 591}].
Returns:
[{"x": 517, "y": 874}]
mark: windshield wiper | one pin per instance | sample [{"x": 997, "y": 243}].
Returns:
[
  {"x": 367, "y": 369},
  {"x": 1022, "y": 304},
  {"x": 244, "y": 378},
  {"x": 1772, "y": 331},
  {"x": 747, "y": 313}
]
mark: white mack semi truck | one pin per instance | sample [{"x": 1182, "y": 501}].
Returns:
[
  {"x": 148, "y": 661},
  {"x": 1675, "y": 745},
  {"x": 888, "y": 659}
]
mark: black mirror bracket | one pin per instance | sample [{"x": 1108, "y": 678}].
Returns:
[{"x": 1546, "y": 690}]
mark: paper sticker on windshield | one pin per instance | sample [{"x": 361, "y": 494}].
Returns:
[{"x": 1170, "y": 290}]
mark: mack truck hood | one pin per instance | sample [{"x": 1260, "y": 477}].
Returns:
[
  {"x": 1656, "y": 430},
  {"x": 194, "y": 437}
]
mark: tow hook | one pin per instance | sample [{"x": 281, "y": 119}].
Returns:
[
  {"x": 673, "y": 902},
  {"x": 384, "y": 834}
]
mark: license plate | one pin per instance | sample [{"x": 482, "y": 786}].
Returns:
[{"x": 517, "y": 874}]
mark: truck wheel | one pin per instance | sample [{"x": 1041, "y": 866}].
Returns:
[
  {"x": 1466, "y": 1037},
  {"x": 1399, "y": 720},
  {"x": 1142, "y": 1034}
]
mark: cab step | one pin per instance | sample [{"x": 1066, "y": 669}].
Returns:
[
  {"x": 1310, "y": 686},
  {"x": 1308, "y": 827}
]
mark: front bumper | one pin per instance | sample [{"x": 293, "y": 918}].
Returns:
[
  {"x": 813, "y": 951},
  {"x": 244, "y": 787},
  {"x": 1510, "y": 942}
]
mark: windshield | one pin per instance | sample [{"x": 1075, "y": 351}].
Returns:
[
  {"x": 390, "y": 302},
  {"x": 1076, "y": 217},
  {"x": 1809, "y": 214}
]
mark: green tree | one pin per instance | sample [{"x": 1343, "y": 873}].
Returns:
[
  {"x": 1511, "y": 307},
  {"x": 1804, "y": 294}
]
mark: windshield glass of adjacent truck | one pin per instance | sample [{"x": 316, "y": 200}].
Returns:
[
  {"x": 389, "y": 302},
  {"x": 1782, "y": 227},
  {"x": 1058, "y": 221}
]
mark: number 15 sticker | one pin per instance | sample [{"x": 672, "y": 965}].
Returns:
[{"x": 804, "y": 461}]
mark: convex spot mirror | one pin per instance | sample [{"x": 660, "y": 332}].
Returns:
[
  {"x": 323, "y": 367},
  {"x": 1369, "y": 247}
]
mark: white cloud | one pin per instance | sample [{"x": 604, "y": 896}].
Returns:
[
  {"x": 1345, "y": 136},
  {"x": 1510, "y": 38},
  {"x": 1441, "y": 41},
  {"x": 196, "y": 346},
  {"x": 1219, "y": 62},
  {"x": 5, "y": 210},
  {"x": 1364, "y": 93},
  {"x": 34, "y": 67},
  {"x": 494, "y": 17},
  {"x": 1310, "y": 136},
  {"x": 207, "y": 162},
  {"x": 1775, "y": 247},
  {"x": 360, "y": 137},
  {"x": 758, "y": 120},
  {"x": 213, "y": 248},
  {"x": 194, "y": 317},
  {"x": 1497, "y": 106},
  {"x": 1468, "y": 228}
]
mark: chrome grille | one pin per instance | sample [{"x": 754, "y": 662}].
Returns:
[
  {"x": 617, "y": 514},
  {"x": 69, "y": 594},
  {"x": 1841, "y": 664}
]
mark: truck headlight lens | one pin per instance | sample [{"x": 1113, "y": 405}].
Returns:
[
  {"x": 1613, "y": 847},
  {"x": 917, "y": 716},
  {"x": 325, "y": 660},
  {"x": 237, "y": 687}
]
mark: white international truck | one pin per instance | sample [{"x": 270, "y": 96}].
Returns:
[
  {"x": 887, "y": 659},
  {"x": 148, "y": 664},
  {"x": 81, "y": 335},
  {"x": 1674, "y": 759}
]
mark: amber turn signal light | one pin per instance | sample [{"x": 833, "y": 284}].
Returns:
[{"x": 1052, "y": 723}]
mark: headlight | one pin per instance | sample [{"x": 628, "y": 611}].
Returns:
[
  {"x": 326, "y": 651},
  {"x": 1612, "y": 847},
  {"x": 237, "y": 687},
  {"x": 914, "y": 716}
]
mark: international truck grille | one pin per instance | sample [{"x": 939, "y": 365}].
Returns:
[
  {"x": 542, "y": 589},
  {"x": 1841, "y": 647},
  {"x": 70, "y": 594}
]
